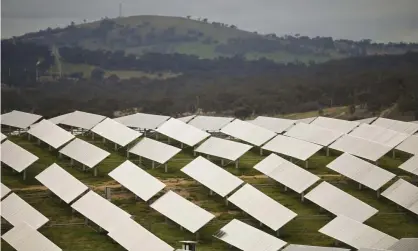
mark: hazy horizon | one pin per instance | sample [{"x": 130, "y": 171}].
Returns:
[{"x": 379, "y": 20}]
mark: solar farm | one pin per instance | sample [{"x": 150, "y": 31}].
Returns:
[{"x": 82, "y": 181}]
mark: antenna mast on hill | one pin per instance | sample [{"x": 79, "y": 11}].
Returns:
[{"x": 120, "y": 9}]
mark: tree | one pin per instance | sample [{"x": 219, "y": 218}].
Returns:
[
  {"x": 205, "y": 20},
  {"x": 188, "y": 17},
  {"x": 233, "y": 26},
  {"x": 352, "y": 109},
  {"x": 72, "y": 24},
  {"x": 242, "y": 112},
  {"x": 97, "y": 74}
]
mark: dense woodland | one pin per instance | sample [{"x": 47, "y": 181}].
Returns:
[{"x": 225, "y": 85}]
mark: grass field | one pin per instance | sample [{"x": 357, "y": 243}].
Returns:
[{"x": 67, "y": 230}]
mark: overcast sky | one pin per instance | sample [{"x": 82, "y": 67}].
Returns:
[{"x": 380, "y": 20}]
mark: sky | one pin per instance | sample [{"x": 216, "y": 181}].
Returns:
[{"x": 379, "y": 20}]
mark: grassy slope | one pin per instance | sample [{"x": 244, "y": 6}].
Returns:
[{"x": 301, "y": 230}]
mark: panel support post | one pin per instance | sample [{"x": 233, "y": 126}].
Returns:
[
  {"x": 278, "y": 233},
  {"x": 237, "y": 163},
  {"x": 24, "y": 174},
  {"x": 359, "y": 186},
  {"x": 127, "y": 154},
  {"x": 261, "y": 151},
  {"x": 285, "y": 188},
  {"x": 306, "y": 164},
  {"x": 222, "y": 162},
  {"x": 226, "y": 200},
  {"x": 95, "y": 171},
  {"x": 208, "y": 157},
  {"x": 302, "y": 197},
  {"x": 168, "y": 140},
  {"x": 327, "y": 151},
  {"x": 291, "y": 159},
  {"x": 378, "y": 193},
  {"x": 210, "y": 192},
  {"x": 92, "y": 135},
  {"x": 261, "y": 224},
  {"x": 71, "y": 162},
  {"x": 139, "y": 158},
  {"x": 194, "y": 151},
  {"x": 156, "y": 135},
  {"x": 28, "y": 136},
  {"x": 39, "y": 142},
  {"x": 84, "y": 168},
  {"x": 104, "y": 140},
  {"x": 181, "y": 145},
  {"x": 116, "y": 147},
  {"x": 59, "y": 155},
  {"x": 86, "y": 221},
  {"x": 393, "y": 154},
  {"x": 153, "y": 164},
  {"x": 166, "y": 167}
]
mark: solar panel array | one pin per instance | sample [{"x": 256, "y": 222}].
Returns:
[
  {"x": 292, "y": 147},
  {"x": 396, "y": 125},
  {"x": 142, "y": 121},
  {"x": 19, "y": 119},
  {"x": 3, "y": 137},
  {"x": 293, "y": 247},
  {"x": 409, "y": 145},
  {"x": 339, "y": 125},
  {"x": 405, "y": 244},
  {"x": 248, "y": 132},
  {"x": 361, "y": 171},
  {"x": 380, "y": 135},
  {"x": 339, "y": 202},
  {"x": 246, "y": 237},
  {"x": 4, "y": 190},
  {"x": 209, "y": 123},
  {"x": 84, "y": 152},
  {"x": 23, "y": 237},
  {"x": 222, "y": 148},
  {"x": 286, "y": 173},
  {"x": 276, "y": 125},
  {"x": 212, "y": 176},
  {"x": 16, "y": 211},
  {"x": 124, "y": 135},
  {"x": 138, "y": 181},
  {"x": 411, "y": 165},
  {"x": 182, "y": 132},
  {"x": 263, "y": 208},
  {"x": 359, "y": 147},
  {"x": 404, "y": 194},
  {"x": 357, "y": 234},
  {"x": 60, "y": 182},
  {"x": 83, "y": 120},
  {"x": 154, "y": 150},
  {"x": 182, "y": 211},
  {"x": 366, "y": 120},
  {"x": 313, "y": 134},
  {"x": 187, "y": 118},
  {"x": 16, "y": 157},
  {"x": 50, "y": 133},
  {"x": 306, "y": 120}
]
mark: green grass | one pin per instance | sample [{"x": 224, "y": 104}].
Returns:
[{"x": 301, "y": 230}]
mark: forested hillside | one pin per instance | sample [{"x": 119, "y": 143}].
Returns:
[
  {"x": 225, "y": 85},
  {"x": 138, "y": 35}
]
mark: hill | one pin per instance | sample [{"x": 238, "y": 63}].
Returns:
[{"x": 138, "y": 35}]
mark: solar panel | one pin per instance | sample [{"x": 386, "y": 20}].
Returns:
[
  {"x": 313, "y": 134},
  {"x": 246, "y": 237},
  {"x": 84, "y": 152},
  {"x": 4, "y": 190},
  {"x": 293, "y": 247},
  {"x": 292, "y": 147},
  {"x": 19, "y": 119},
  {"x": 25, "y": 238},
  {"x": 366, "y": 120},
  {"x": 15, "y": 211},
  {"x": 82, "y": 120},
  {"x": 276, "y": 125},
  {"x": 411, "y": 165},
  {"x": 361, "y": 171},
  {"x": 116, "y": 132},
  {"x": 339, "y": 125},
  {"x": 212, "y": 176},
  {"x": 133, "y": 237},
  {"x": 57, "y": 120},
  {"x": 357, "y": 234},
  {"x": 209, "y": 123},
  {"x": 339, "y": 202},
  {"x": 410, "y": 145},
  {"x": 404, "y": 194},
  {"x": 405, "y": 244},
  {"x": 399, "y": 126},
  {"x": 263, "y": 208},
  {"x": 142, "y": 120},
  {"x": 154, "y": 150},
  {"x": 379, "y": 134},
  {"x": 3, "y": 137},
  {"x": 16, "y": 157},
  {"x": 222, "y": 148},
  {"x": 306, "y": 120},
  {"x": 61, "y": 183},
  {"x": 182, "y": 132},
  {"x": 137, "y": 180},
  {"x": 182, "y": 211},
  {"x": 186, "y": 119},
  {"x": 286, "y": 173},
  {"x": 362, "y": 148},
  {"x": 101, "y": 211},
  {"x": 50, "y": 133},
  {"x": 248, "y": 132}
]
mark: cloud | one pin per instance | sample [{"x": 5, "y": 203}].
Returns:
[{"x": 381, "y": 20}]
